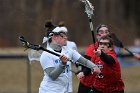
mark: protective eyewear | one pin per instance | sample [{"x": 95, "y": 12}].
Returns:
[
  {"x": 63, "y": 35},
  {"x": 104, "y": 43}
]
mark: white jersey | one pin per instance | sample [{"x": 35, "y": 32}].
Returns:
[
  {"x": 70, "y": 45},
  {"x": 62, "y": 82}
]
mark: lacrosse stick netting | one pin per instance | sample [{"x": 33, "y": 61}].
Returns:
[
  {"x": 88, "y": 8},
  {"x": 34, "y": 55}
]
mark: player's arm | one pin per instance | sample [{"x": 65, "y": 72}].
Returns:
[
  {"x": 137, "y": 56},
  {"x": 107, "y": 58},
  {"x": 89, "y": 64},
  {"x": 53, "y": 72},
  {"x": 85, "y": 70},
  {"x": 88, "y": 55}
]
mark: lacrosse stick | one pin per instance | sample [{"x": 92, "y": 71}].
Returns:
[
  {"x": 34, "y": 55},
  {"x": 89, "y": 11},
  {"x": 119, "y": 44},
  {"x": 35, "y": 47},
  {"x": 28, "y": 45}
]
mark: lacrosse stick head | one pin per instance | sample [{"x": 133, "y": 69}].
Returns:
[
  {"x": 88, "y": 8},
  {"x": 34, "y": 55},
  {"x": 24, "y": 42},
  {"x": 27, "y": 45}
]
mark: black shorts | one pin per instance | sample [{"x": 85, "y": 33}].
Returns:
[
  {"x": 93, "y": 90},
  {"x": 83, "y": 89}
]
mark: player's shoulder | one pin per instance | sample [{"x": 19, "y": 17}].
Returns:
[
  {"x": 90, "y": 46},
  {"x": 71, "y": 42},
  {"x": 66, "y": 48},
  {"x": 72, "y": 45},
  {"x": 44, "y": 53}
]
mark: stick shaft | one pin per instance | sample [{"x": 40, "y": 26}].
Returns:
[
  {"x": 92, "y": 32},
  {"x": 56, "y": 54},
  {"x": 129, "y": 51}
]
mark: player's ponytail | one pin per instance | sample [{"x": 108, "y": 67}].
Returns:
[{"x": 61, "y": 24}]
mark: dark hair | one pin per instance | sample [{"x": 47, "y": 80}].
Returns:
[
  {"x": 111, "y": 42},
  {"x": 50, "y": 40},
  {"x": 100, "y": 26},
  {"x": 49, "y": 26},
  {"x": 61, "y": 24}
]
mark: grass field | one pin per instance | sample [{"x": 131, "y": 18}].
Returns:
[{"x": 13, "y": 77}]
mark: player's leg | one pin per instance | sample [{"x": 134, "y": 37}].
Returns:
[{"x": 83, "y": 89}]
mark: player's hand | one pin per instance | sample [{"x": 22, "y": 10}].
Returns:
[
  {"x": 80, "y": 75},
  {"x": 96, "y": 70},
  {"x": 64, "y": 59},
  {"x": 97, "y": 52},
  {"x": 137, "y": 56}
]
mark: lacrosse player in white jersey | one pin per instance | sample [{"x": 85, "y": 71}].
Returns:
[
  {"x": 56, "y": 69},
  {"x": 70, "y": 44}
]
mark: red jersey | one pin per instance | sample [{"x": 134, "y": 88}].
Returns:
[
  {"x": 90, "y": 50},
  {"x": 111, "y": 80}
]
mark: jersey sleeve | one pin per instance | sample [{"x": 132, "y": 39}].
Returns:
[
  {"x": 46, "y": 61},
  {"x": 72, "y": 45},
  {"x": 75, "y": 55}
]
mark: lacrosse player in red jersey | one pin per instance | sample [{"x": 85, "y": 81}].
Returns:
[
  {"x": 85, "y": 76},
  {"x": 56, "y": 69},
  {"x": 107, "y": 61}
]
